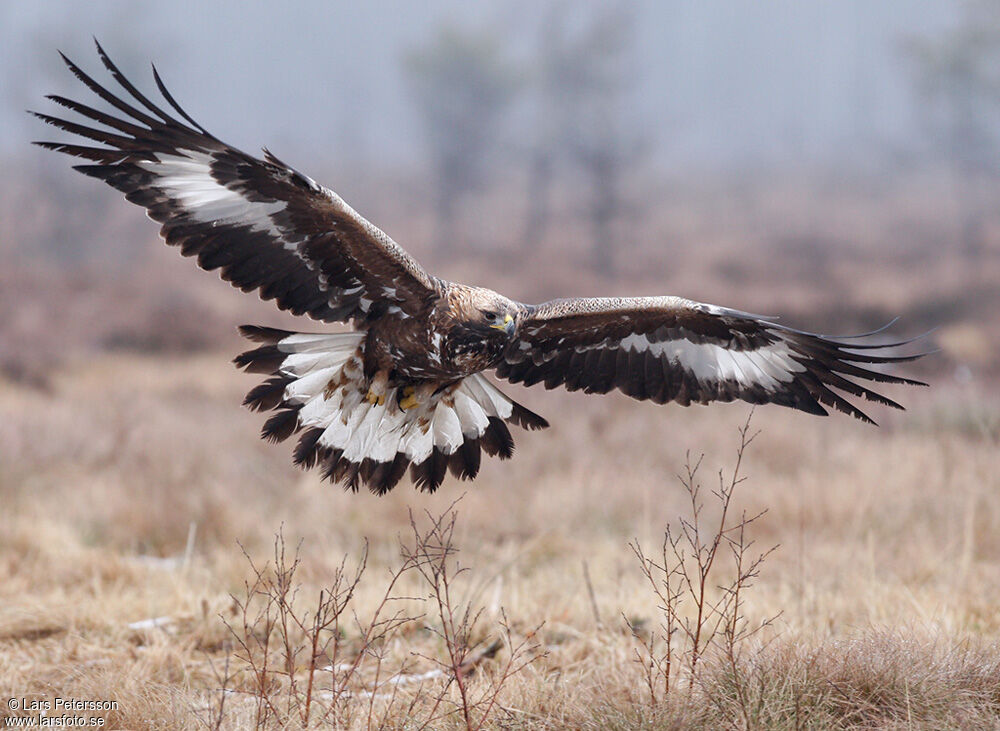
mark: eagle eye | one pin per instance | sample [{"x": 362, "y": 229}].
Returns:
[{"x": 490, "y": 316}]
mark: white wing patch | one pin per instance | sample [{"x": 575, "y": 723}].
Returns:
[
  {"x": 708, "y": 362},
  {"x": 768, "y": 367},
  {"x": 188, "y": 180}
]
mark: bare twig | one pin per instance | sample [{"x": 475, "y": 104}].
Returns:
[
  {"x": 687, "y": 570},
  {"x": 215, "y": 713},
  {"x": 298, "y": 661},
  {"x": 433, "y": 554}
]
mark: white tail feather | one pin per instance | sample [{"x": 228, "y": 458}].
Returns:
[
  {"x": 471, "y": 415},
  {"x": 326, "y": 385},
  {"x": 447, "y": 428},
  {"x": 488, "y": 396}
]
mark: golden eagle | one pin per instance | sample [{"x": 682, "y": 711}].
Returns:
[{"x": 406, "y": 389}]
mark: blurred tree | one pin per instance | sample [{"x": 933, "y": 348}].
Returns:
[
  {"x": 463, "y": 86},
  {"x": 553, "y": 114},
  {"x": 584, "y": 82},
  {"x": 957, "y": 79}
]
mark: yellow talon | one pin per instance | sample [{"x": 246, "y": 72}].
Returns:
[
  {"x": 375, "y": 398},
  {"x": 409, "y": 399}
]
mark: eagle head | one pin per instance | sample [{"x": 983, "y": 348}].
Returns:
[
  {"x": 489, "y": 313},
  {"x": 483, "y": 322}
]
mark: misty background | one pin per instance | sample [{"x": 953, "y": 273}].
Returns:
[
  {"x": 727, "y": 84},
  {"x": 834, "y": 161}
]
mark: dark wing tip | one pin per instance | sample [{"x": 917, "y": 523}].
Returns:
[
  {"x": 262, "y": 334},
  {"x": 834, "y": 363},
  {"x": 101, "y": 52},
  {"x": 526, "y": 418},
  {"x": 173, "y": 102},
  {"x": 876, "y": 331}
]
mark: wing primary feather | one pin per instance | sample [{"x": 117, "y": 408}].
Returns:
[
  {"x": 109, "y": 138},
  {"x": 123, "y": 81},
  {"x": 107, "y": 95},
  {"x": 173, "y": 103},
  {"x": 824, "y": 395},
  {"x": 97, "y": 116},
  {"x": 858, "y": 390},
  {"x": 876, "y": 331},
  {"x": 853, "y": 370},
  {"x": 97, "y": 154},
  {"x": 292, "y": 234}
]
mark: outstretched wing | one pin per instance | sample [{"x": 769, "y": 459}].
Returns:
[
  {"x": 672, "y": 349},
  {"x": 262, "y": 224}
]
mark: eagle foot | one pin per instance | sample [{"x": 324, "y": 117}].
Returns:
[
  {"x": 377, "y": 389},
  {"x": 409, "y": 400}
]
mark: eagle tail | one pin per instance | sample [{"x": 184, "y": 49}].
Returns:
[{"x": 317, "y": 389}]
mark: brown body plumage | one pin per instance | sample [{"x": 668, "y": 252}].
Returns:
[
  {"x": 406, "y": 389},
  {"x": 454, "y": 339}
]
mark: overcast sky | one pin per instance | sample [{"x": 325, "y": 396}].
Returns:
[{"x": 721, "y": 82}]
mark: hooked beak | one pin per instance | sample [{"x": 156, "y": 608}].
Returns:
[{"x": 507, "y": 326}]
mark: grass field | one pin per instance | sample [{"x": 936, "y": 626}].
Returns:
[
  {"x": 139, "y": 508},
  {"x": 127, "y": 485}
]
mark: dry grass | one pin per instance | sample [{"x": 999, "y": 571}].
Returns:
[{"x": 887, "y": 577}]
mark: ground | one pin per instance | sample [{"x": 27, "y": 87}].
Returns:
[
  {"x": 137, "y": 500},
  {"x": 130, "y": 485}
]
